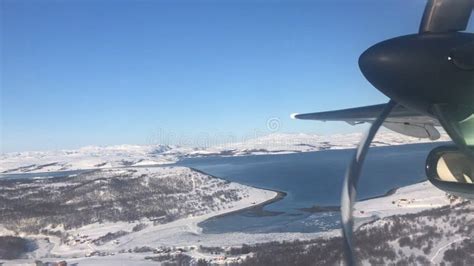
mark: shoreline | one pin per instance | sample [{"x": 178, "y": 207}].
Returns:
[
  {"x": 181, "y": 232},
  {"x": 185, "y": 232},
  {"x": 336, "y": 208},
  {"x": 282, "y": 194},
  {"x": 259, "y": 206}
]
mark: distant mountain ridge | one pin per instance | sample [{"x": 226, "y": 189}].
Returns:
[{"x": 98, "y": 157}]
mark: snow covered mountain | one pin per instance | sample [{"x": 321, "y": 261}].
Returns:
[
  {"x": 95, "y": 157},
  {"x": 291, "y": 143},
  {"x": 89, "y": 157}
]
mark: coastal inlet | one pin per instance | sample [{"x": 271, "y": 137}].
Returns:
[{"x": 311, "y": 182}]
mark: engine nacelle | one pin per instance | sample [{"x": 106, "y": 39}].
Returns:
[{"x": 451, "y": 170}]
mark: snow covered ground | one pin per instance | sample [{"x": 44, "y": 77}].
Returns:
[
  {"x": 185, "y": 236},
  {"x": 409, "y": 199},
  {"x": 93, "y": 157},
  {"x": 192, "y": 198}
]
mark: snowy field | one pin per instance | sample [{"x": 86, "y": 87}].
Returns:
[{"x": 409, "y": 199}]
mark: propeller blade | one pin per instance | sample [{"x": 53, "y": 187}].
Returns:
[
  {"x": 349, "y": 188},
  {"x": 446, "y": 16}
]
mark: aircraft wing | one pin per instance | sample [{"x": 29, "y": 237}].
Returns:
[{"x": 401, "y": 119}]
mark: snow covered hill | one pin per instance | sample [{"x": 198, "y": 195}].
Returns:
[
  {"x": 93, "y": 157},
  {"x": 291, "y": 143},
  {"x": 395, "y": 225},
  {"x": 90, "y": 157},
  {"x": 105, "y": 211}
]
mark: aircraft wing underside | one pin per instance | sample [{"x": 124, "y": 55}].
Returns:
[{"x": 401, "y": 119}]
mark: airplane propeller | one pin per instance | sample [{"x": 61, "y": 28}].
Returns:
[
  {"x": 349, "y": 188},
  {"x": 405, "y": 70},
  {"x": 429, "y": 78}
]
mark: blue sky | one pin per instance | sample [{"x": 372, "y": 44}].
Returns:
[{"x": 77, "y": 73}]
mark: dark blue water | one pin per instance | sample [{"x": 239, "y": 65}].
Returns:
[{"x": 308, "y": 179}]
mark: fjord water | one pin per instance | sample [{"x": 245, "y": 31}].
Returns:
[{"x": 309, "y": 179}]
